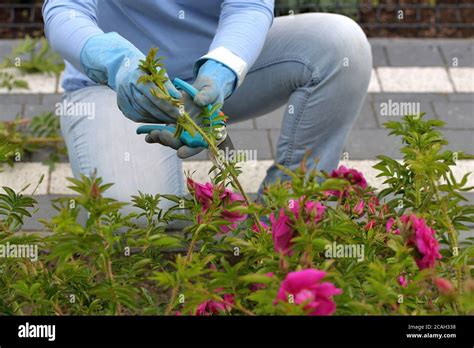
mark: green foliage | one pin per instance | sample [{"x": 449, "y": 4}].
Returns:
[
  {"x": 101, "y": 257},
  {"x": 24, "y": 136},
  {"x": 9, "y": 81},
  {"x": 34, "y": 56}
]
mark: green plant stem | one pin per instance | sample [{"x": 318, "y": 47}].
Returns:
[
  {"x": 215, "y": 154},
  {"x": 451, "y": 230},
  {"x": 108, "y": 268},
  {"x": 174, "y": 293},
  {"x": 188, "y": 258}
]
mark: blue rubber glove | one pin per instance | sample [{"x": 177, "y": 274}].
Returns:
[
  {"x": 215, "y": 82},
  {"x": 165, "y": 135},
  {"x": 112, "y": 60}
]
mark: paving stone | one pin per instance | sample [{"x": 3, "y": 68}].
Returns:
[
  {"x": 374, "y": 86},
  {"x": 37, "y": 83},
  {"x": 33, "y": 110},
  {"x": 20, "y": 99},
  {"x": 413, "y": 54},
  {"x": 367, "y": 116},
  {"x": 274, "y": 135},
  {"x": 44, "y": 210},
  {"x": 379, "y": 56},
  {"x": 460, "y": 54},
  {"x": 252, "y": 140},
  {"x": 456, "y": 114},
  {"x": 58, "y": 184},
  {"x": 272, "y": 120},
  {"x": 415, "y": 80},
  {"x": 23, "y": 174},
  {"x": 463, "y": 79},
  {"x": 6, "y": 47},
  {"x": 247, "y": 124},
  {"x": 459, "y": 140},
  {"x": 369, "y": 143},
  {"x": 43, "y": 156},
  {"x": 51, "y": 99},
  {"x": 461, "y": 97},
  {"x": 8, "y": 112}
]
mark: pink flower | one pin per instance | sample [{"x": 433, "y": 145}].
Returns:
[
  {"x": 259, "y": 286},
  {"x": 403, "y": 281},
  {"x": 314, "y": 210},
  {"x": 444, "y": 286},
  {"x": 211, "y": 307},
  {"x": 205, "y": 195},
  {"x": 281, "y": 232},
  {"x": 423, "y": 237},
  {"x": 389, "y": 225},
  {"x": 359, "y": 208},
  {"x": 355, "y": 178},
  {"x": 263, "y": 226},
  {"x": 305, "y": 288},
  {"x": 370, "y": 224},
  {"x": 373, "y": 204}
]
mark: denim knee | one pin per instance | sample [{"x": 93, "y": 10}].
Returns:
[{"x": 336, "y": 44}]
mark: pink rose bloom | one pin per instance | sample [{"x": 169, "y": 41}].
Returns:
[
  {"x": 403, "y": 281},
  {"x": 423, "y": 237},
  {"x": 444, "y": 286},
  {"x": 359, "y": 208},
  {"x": 306, "y": 288},
  {"x": 314, "y": 210},
  {"x": 281, "y": 232},
  {"x": 211, "y": 307},
  {"x": 354, "y": 177},
  {"x": 204, "y": 195}
]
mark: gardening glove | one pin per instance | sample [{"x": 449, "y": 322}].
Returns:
[
  {"x": 214, "y": 83},
  {"x": 185, "y": 146},
  {"x": 112, "y": 60}
]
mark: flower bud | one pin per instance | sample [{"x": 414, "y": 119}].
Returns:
[
  {"x": 359, "y": 208},
  {"x": 444, "y": 286}
]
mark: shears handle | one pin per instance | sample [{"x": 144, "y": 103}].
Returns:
[
  {"x": 184, "y": 86},
  {"x": 186, "y": 138}
]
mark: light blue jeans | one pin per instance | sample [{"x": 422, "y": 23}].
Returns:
[{"x": 318, "y": 64}]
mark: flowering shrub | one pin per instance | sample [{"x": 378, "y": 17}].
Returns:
[{"x": 319, "y": 244}]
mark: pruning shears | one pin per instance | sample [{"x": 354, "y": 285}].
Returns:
[{"x": 220, "y": 134}]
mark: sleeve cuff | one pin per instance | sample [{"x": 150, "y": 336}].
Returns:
[{"x": 227, "y": 58}]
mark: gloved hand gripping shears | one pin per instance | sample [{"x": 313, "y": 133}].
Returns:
[{"x": 223, "y": 141}]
